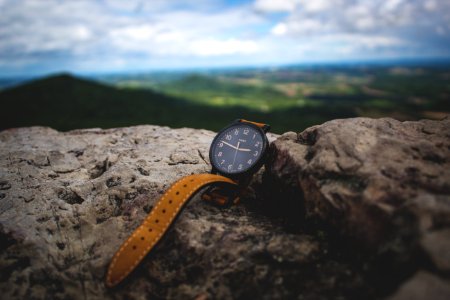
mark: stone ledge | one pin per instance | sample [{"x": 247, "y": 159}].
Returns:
[{"x": 68, "y": 200}]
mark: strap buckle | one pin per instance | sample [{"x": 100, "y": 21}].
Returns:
[{"x": 222, "y": 195}]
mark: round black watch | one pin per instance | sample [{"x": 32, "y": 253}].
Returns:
[{"x": 239, "y": 149}]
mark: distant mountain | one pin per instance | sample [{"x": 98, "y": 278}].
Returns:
[{"x": 66, "y": 102}]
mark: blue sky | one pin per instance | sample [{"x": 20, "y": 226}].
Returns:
[{"x": 89, "y": 36}]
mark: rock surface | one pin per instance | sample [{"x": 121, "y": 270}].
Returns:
[
  {"x": 68, "y": 200},
  {"x": 423, "y": 285},
  {"x": 381, "y": 185}
]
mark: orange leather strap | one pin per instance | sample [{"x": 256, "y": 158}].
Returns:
[
  {"x": 254, "y": 123},
  {"x": 146, "y": 236}
]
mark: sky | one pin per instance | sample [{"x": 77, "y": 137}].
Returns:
[{"x": 101, "y": 36}]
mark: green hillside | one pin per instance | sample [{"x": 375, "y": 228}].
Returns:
[
  {"x": 288, "y": 99},
  {"x": 401, "y": 92},
  {"x": 65, "y": 102},
  {"x": 225, "y": 92}
]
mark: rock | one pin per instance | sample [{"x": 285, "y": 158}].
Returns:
[
  {"x": 423, "y": 285},
  {"x": 70, "y": 199},
  {"x": 382, "y": 185},
  {"x": 437, "y": 245},
  {"x": 359, "y": 173}
]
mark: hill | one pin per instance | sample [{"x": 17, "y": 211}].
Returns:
[
  {"x": 403, "y": 93},
  {"x": 66, "y": 102}
]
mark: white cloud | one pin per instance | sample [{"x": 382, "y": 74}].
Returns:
[
  {"x": 392, "y": 4},
  {"x": 99, "y": 34},
  {"x": 279, "y": 29},
  {"x": 368, "y": 42},
  {"x": 82, "y": 33},
  {"x": 349, "y": 44},
  {"x": 380, "y": 17},
  {"x": 132, "y": 37},
  {"x": 307, "y": 26},
  {"x": 213, "y": 47},
  {"x": 86, "y": 27},
  {"x": 163, "y": 41},
  {"x": 275, "y": 5},
  {"x": 317, "y": 5},
  {"x": 430, "y": 5},
  {"x": 121, "y": 5}
]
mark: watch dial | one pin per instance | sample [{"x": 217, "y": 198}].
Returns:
[{"x": 237, "y": 149}]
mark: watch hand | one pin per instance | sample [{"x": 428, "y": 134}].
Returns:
[
  {"x": 242, "y": 149},
  {"x": 237, "y": 148},
  {"x": 234, "y": 147}
]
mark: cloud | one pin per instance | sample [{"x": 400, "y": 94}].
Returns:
[
  {"x": 275, "y": 5},
  {"x": 368, "y": 28},
  {"x": 279, "y": 29},
  {"x": 84, "y": 26},
  {"x": 212, "y": 47},
  {"x": 163, "y": 41},
  {"x": 387, "y": 16},
  {"x": 97, "y": 35}
]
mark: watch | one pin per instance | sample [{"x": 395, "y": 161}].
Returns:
[{"x": 236, "y": 153}]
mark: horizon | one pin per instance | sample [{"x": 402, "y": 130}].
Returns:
[
  {"x": 429, "y": 62},
  {"x": 104, "y": 37}
]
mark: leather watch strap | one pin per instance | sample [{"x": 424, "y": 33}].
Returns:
[
  {"x": 147, "y": 235},
  {"x": 262, "y": 125}
]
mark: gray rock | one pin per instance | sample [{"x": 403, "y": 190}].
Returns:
[
  {"x": 437, "y": 246},
  {"x": 423, "y": 285},
  {"x": 382, "y": 185},
  {"x": 70, "y": 199},
  {"x": 358, "y": 173}
]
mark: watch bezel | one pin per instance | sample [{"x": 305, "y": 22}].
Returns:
[{"x": 253, "y": 169}]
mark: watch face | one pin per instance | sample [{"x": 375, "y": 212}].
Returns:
[{"x": 237, "y": 148}]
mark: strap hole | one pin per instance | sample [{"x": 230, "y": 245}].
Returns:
[
  {"x": 134, "y": 247},
  {"x": 185, "y": 185},
  {"x": 164, "y": 211},
  {"x": 192, "y": 180},
  {"x": 150, "y": 230},
  {"x": 178, "y": 193},
  {"x": 170, "y": 201},
  {"x": 156, "y": 221},
  {"x": 142, "y": 238}
]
